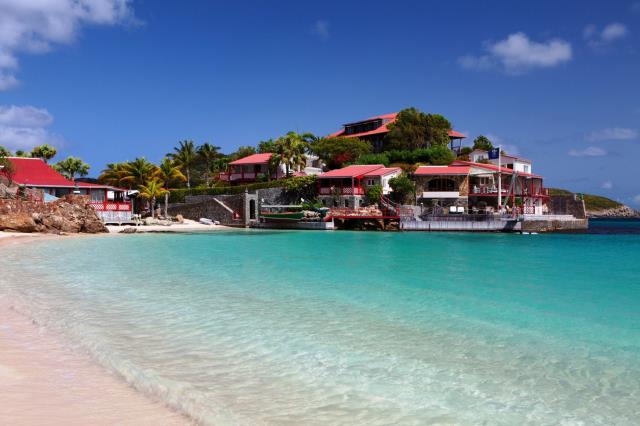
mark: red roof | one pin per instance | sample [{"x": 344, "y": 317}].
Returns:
[
  {"x": 253, "y": 159},
  {"x": 351, "y": 171},
  {"x": 384, "y": 128},
  {"x": 442, "y": 170},
  {"x": 35, "y": 172},
  {"x": 491, "y": 167},
  {"x": 383, "y": 171}
]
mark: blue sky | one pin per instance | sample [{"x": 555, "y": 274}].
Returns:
[{"x": 109, "y": 80}]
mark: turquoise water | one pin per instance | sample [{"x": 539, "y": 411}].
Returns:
[{"x": 352, "y": 328}]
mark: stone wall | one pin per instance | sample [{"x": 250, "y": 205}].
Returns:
[
  {"x": 236, "y": 209},
  {"x": 555, "y": 225},
  {"x": 567, "y": 205}
]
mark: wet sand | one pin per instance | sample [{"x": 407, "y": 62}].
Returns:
[{"x": 45, "y": 381}]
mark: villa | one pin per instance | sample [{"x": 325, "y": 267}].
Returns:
[
  {"x": 470, "y": 187},
  {"x": 347, "y": 186},
  {"x": 375, "y": 129},
  {"x": 256, "y": 167},
  {"x": 111, "y": 203}
]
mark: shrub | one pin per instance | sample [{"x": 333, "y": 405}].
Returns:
[
  {"x": 374, "y": 193},
  {"x": 381, "y": 158},
  {"x": 403, "y": 187}
]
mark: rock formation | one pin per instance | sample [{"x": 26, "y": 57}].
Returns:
[
  {"x": 621, "y": 211},
  {"x": 70, "y": 214}
]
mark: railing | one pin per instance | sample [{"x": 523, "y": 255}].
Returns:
[
  {"x": 230, "y": 177},
  {"x": 464, "y": 217},
  {"x": 102, "y": 206},
  {"x": 347, "y": 190}
]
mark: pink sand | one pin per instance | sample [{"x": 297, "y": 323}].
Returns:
[{"x": 42, "y": 381}]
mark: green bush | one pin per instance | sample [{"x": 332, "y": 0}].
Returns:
[
  {"x": 381, "y": 158},
  {"x": 374, "y": 193}
]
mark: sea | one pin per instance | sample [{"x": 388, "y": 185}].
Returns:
[{"x": 250, "y": 327}]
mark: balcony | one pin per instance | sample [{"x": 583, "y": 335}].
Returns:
[
  {"x": 113, "y": 206},
  {"x": 241, "y": 177},
  {"x": 441, "y": 194},
  {"x": 347, "y": 190}
]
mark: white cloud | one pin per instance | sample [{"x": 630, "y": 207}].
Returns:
[
  {"x": 636, "y": 199},
  {"x": 517, "y": 54},
  {"x": 607, "y": 184},
  {"x": 592, "y": 151},
  {"x": 614, "y": 31},
  {"x": 23, "y": 127},
  {"x": 321, "y": 29},
  {"x": 613, "y": 134},
  {"x": 610, "y": 33},
  {"x": 36, "y": 26}
]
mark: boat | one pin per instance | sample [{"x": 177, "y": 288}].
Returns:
[{"x": 282, "y": 216}]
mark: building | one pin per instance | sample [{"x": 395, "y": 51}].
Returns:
[
  {"x": 256, "y": 167},
  {"x": 110, "y": 202},
  {"x": 478, "y": 188},
  {"x": 506, "y": 160},
  {"x": 252, "y": 168},
  {"x": 375, "y": 129},
  {"x": 346, "y": 187}
]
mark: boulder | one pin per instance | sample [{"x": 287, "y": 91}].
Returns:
[{"x": 18, "y": 222}]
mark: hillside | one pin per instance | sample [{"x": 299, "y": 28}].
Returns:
[{"x": 599, "y": 206}]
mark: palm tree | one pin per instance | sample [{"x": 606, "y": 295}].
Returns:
[
  {"x": 290, "y": 151},
  {"x": 185, "y": 155},
  {"x": 113, "y": 175},
  {"x": 169, "y": 173},
  {"x": 45, "y": 151},
  {"x": 138, "y": 172},
  {"x": 72, "y": 166},
  {"x": 208, "y": 153},
  {"x": 151, "y": 191}
]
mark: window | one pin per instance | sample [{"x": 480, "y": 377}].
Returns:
[
  {"x": 526, "y": 168},
  {"x": 441, "y": 184},
  {"x": 346, "y": 203},
  {"x": 371, "y": 182}
]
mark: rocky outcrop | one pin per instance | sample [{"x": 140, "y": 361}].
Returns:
[
  {"x": 621, "y": 211},
  {"x": 70, "y": 214}
]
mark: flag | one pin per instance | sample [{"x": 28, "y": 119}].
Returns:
[{"x": 494, "y": 153}]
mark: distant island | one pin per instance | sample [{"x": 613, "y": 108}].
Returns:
[{"x": 599, "y": 206}]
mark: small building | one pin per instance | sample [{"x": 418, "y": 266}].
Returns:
[
  {"x": 506, "y": 160},
  {"x": 374, "y": 130},
  {"x": 346, "y": 187},
  {"x": 252, "y": 168},
  {"x": 110, "y": 203},
  {"x": 469, "y": 187}
]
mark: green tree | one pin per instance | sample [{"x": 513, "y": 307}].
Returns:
[
  {"x": 414, "y": 129},
  {"x": 403, "y": 188},
  {"x": 441, "y": 155},
  {"x": 169, "y": 173},
  {"x": 138, "y": 172},
  {"x": 4, "y": 152},
  {"x": 208, "y": 153},
  {"x": 374, "y": 193},
  {"x": 290, "y": 151},
  {"x": 335, "y": 152},
  {"x": 185, "y": 155},
  {"x": 113, "y": 174},
  {"x": 45, "y": 152},
  {"x": 380, "y": 158},
  {"x": 72, "y": 166},
  {"x": 241, "y": 152},
  {"x": 152, "y": 190},
  {"x": 482, "y": 142},
  {"x": 21, "y": 153},
  {"x": 267, "y": 146}
]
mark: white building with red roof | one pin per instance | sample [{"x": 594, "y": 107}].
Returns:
[
  {"x": 347, "y": 186},
  {"x": 374, "y": 130},
  {"x": 470, "y": 187},
  {"x": 110, "y": 202}
]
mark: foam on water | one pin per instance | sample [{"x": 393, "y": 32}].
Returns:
[{"x": 352, "y": 328}]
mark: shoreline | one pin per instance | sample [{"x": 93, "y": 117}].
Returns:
[{"x": 42, "y": 377}]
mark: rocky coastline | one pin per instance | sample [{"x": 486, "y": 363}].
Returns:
[
  {"x": 70, "y": 214},
  {"x": 621, "y": 212}
]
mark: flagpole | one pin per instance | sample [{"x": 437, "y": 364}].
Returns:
[{"x": 499, "y": 178}]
